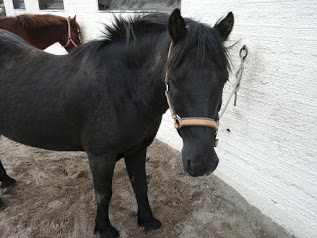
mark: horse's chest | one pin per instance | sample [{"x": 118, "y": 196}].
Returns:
[{"x": 139, "y": 136}]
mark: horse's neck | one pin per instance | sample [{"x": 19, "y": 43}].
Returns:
[
  {"x": 10, "y": 24},
  {"x": 46, "y": 36},
  {"x": 150, "y": 86}
]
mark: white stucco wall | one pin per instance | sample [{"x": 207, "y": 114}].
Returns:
[{"x": 270, "y": 154}]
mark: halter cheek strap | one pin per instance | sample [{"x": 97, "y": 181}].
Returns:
[
  {"x": 187, "y": 121},
  {"x": 69, "y": 38}
]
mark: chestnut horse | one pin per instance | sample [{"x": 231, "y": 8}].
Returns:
[{"x": 42, "y": 31}]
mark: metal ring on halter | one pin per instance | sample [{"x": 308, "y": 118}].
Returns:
[
  {"x": 245, "y": 50},
  {"x": 176, "y": 121}
]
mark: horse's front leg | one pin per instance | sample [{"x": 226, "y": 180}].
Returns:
[
  {"x": 102, "y": 168},
  {"x": 5, "y": 179},
  {"x": 136, "y": 170}
]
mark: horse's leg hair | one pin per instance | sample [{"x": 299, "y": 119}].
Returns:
[
  {"x": 6, "y": 181},
  {"x": 102, "y": 168},
  {"x": 136, "y": 169}
]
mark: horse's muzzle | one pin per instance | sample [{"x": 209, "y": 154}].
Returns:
[{"x": 199, "y": 166}]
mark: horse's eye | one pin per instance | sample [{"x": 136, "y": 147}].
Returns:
[{"x": 173, "y": 82}]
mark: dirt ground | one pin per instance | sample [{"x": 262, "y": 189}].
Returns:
[{"x": 54, "y": 197}]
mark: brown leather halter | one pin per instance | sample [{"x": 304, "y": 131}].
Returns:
[
  {"x": 187, "y": 121},
  {"x": 69, "y": 38}
]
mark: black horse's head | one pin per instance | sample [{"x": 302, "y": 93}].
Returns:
[{"x": 197, "y": 71}]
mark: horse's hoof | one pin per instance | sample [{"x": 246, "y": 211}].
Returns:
[
  {"x": 1, "y": 204},
  {"x": 7, "y": 182},
  {"x": 110, "y": 233},
  {"x": 151, "y": 226},
  {"x": 107, "y": 232}
]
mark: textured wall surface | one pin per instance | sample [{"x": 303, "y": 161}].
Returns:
[{"x": 270, "y": 154}]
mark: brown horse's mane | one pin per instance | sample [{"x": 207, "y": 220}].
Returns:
[{"x": 37, "y": 20}]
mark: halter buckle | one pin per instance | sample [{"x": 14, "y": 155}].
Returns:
[{"x": 177, "y": 118}]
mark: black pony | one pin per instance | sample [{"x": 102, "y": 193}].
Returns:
[{"x": 107, "y": 98}]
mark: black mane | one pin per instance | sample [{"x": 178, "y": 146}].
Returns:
[
  {"x": 129, "y": 30},
  {"x": 133, "y": 28}
]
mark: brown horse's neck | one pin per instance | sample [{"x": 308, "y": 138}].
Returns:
[
  {"x": 46, "y": 36},
  {"x": 14, "y": 26}
]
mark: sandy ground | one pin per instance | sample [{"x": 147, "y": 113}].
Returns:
[{"x": 54, "y": 197}]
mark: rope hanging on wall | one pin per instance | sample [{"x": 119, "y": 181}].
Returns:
[{"x": 243, "y": 55}]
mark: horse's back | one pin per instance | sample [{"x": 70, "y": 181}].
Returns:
[
  {"x": 32, "y": 101},
  {"x": 16, "y": 54},
  {"x": 8, "y": 23},
  {"x": 65, "y": 102},
  {"x": 10, "y": 40},
  {"x": 13, "y": 25}
]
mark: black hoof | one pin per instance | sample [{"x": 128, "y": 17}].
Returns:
[
  {"x": 7, "y": 182},
  {"x": 1, "y": 204},
  {"x": 110, "y": 233},
  {"x": 107, "y": 232},
  {"x": 150, "y": 225}
]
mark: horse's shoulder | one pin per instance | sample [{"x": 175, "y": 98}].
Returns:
[
  {"x": 5, "y": 33},
  {"x": 12, "y": 41},
  {"x": 10, "y": 37}
]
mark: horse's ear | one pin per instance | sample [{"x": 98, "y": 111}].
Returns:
[
  {"x": 224, "y": 27},
  {"x": 176, "y": 26},
  {"x": 74, "y": 18}
]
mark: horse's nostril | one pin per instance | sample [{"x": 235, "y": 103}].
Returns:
[
  {"x": 188, "y": 164},
  {"x": 190, "y": 168}
]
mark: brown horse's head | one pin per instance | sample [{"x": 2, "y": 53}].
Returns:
[
  {"x": 43, "y": 30},
  {"x": 72, "y": 37}
]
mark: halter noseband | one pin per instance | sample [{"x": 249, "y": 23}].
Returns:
[
  {"x": 69, "y": 38},
  {"x": 187, "y": 121}
]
